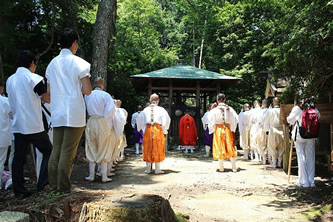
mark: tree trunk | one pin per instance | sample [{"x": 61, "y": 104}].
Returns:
[
  {"x": 202, "y": 43},
  {"x": 104, "y": 28},
  {"x": 137, "y": 207},
  {"x": 193, "y": 48},
  {"x": 2, "y": 77}
]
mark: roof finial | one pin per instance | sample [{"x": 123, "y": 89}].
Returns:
[{"x": 180, "y": 61}]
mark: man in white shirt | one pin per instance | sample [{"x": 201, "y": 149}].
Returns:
[
  {"x": 68, "y": 78},
  {"x": 137, "y": 136},
  {"x": 154, "y": 121},
  {"x": 261, "y": 138},
  {"x": 101, "y": 109},
  {"x": 275, "y": 134},
  {"x": 5, "y": 130},
  {"x": 26, "y": 91},
  {"x": 254, "y": 128},
  {"x": 222, "y": 121}
]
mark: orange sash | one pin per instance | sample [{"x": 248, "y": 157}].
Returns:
[
  {"x": 153, "y": 143},
  {"x": 223, "y": 143}
]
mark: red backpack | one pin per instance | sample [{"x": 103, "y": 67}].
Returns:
[{"x": 310, "y": 124}]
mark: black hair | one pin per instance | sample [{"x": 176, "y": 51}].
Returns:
[
  {"x": 67, "y": 37},
  {"x": 25, "y": 58},
  {"x": 220, "y": 97}
]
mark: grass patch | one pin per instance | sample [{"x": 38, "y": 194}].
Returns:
[{"x": 318, "y": 211}]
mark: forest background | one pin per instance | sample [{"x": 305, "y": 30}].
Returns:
[{"x": 292, "y": 39}]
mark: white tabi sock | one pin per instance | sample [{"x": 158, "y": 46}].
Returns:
[
  {"x": 158, "y": 168},
  {"x": 221, "y": 167},
  {"x": 233, "y": 164},
  {"x": 104, "y": 172},
  {"x": 148, "y": 168},
  {"x": 91, "y": 176},
  {"x": 137, "y": 148}
]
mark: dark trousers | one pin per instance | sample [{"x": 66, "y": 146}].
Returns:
[{"x": 22, "y": 143}]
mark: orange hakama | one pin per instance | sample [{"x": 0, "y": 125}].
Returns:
[
  {"x": 154, "y": 144},
  {"x": 223, "y": 143}
]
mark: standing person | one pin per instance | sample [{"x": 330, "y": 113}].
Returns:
[
  {"x": 122, "y": 143},
  {"x": 275, "y": 137},
  {"x": 26, "y": 91},
  {"x": 208, "y": 138},
  {"x": 254, "y": 125},
  {"x": 223, "y": 122},
  {"x": 154, "y": 121},
  {"x": 187, "y": 131},
  {"x": 5, "y": 130},
  {"x": 101, "y": 109},
  {"x": 305, "y": 148},
  {"x": 244, "y": 130},
  {"x": 68, "y": 78},
  {"x": 261, "y": 139},
  {"x": 137, "y": 136}
]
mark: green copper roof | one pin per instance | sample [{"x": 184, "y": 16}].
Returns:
[{"x": 184, "y": 72}]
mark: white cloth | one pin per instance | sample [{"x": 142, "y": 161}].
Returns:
[
  {"x": 5, "y": 123},
  {"x": 100, "y": 103},
  {"x": 261, "y": 138},
  {"x": 244, "y": 129},
  {"x": 275, "y": 136},
  {"x": 24, "y": 102},
  {"x": 215, "y": 117},
  {"x": 134, "y": 117},
  {"x": 118, "y": 124},
  {"x": 160, "y": 115},
  {"x": 64, "y": 74},
  {"x": 305, "y": 150},
  {"x": 254, "y": 126},
  {"x": 204, "y": 120},
  {"x": 3, "y": 157}
]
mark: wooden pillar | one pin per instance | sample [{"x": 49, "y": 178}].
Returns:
[
  {"x": 218, "y": 87},
  {"x": 331, "y": 127},
  {"x": 170, "y": 95},
  {"x": 150, "y": 85},
  {"x": 198, "y": 93}
]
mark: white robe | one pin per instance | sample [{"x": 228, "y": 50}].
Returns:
[
  {"x": 244, "y": 129},
  {"x": 161, "y": 117},
  {"x": 254, "y": 127},
  {"x": 215, "y": 117},
  {"x": 275, "y": 136}
]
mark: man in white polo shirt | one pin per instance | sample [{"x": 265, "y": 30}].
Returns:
[
  {"x": 68, "y": 78},
  {"x": 25, "y": 91}
]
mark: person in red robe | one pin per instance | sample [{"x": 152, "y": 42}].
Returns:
[{"x": 187, "y": 132}]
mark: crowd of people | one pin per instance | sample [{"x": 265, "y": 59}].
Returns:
[{"x": 51, "y": 115}]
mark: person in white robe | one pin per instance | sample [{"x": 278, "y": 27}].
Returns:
[
  {"x": 305, "y": 150},
  {"x": 244, "y": 130},
  {"x": 208, "y": 138},
  {"x": 261, "y": 138},
  {"x": 154, "y": 121},
  {"x": 122, "y": 143},
  {"x": 275, "y": 134},
  {"x": 222, "y": 121},
  {"x": 137, "y": 136},
  {"x": 100, "y": 108},
  {"x": 254, "y": 125},
  {"x": 5, "y": 132}
]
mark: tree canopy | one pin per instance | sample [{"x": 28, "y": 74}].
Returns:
[{"x": 292, "y": 39}]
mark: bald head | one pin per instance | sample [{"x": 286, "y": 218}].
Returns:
[
  {"x": 276, "y": 101},
  {"x": 99, "y": 82},
  {"x": 154, "y": 99},
  {"x": 220, "y": 98}
]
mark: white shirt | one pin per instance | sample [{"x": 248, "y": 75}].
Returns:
[
  {"x": 5, "y": 123},
  {"x": 244, "y": 120},
  {"x": 100, "y": 103},
  {"x": 215, "y": 117},
  {"x": 133, "y": 121},
  {"x": 24, "y": 102},
  {"x": 272, "y": 118},
  {"x": 160, "y": 116},
  {"x": 296, "y": 116},
  {"x": 204, "y": 120},
  {"x": 64, "y": 74}
]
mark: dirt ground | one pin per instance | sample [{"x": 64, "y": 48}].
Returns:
[{"x": 194, "y": 189}]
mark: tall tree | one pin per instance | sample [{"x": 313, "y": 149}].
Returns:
[{"x": 104, "y": 27}]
